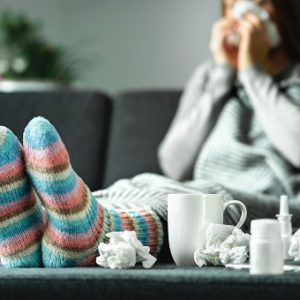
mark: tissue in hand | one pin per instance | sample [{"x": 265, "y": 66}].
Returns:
[
  {"x": 224, "y": 244},
  {"x": 242, "y": 7},
  {"x": 123, "y": 251}
]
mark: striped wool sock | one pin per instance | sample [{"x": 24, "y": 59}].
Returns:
[
  {"x": 77, "y": 223},
  {"x": 21, "y": 219}
]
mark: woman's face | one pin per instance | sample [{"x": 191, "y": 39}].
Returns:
[{"x": 264, "y": 4}]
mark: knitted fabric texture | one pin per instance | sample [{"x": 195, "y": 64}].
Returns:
[
  {"x": 21, "y": 218},
  {"x": 237, "y": 159},
  {"x": 77, "y": 223},
  {"x": 239, "y": 154}
]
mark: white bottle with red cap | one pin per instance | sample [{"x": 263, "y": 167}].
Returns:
[{"x": 266, "y": 247}]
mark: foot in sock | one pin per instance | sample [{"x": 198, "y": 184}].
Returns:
[
  {"x": 21, "y": 218},
  {"x": 77, "y": 223}
]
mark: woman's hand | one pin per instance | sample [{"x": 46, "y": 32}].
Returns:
[
  {"x": 255, "y": 44},
  {"x": 222, "y": 52}
]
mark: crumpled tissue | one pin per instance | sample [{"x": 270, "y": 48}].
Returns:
[
  {"x": 242, "y": 7},
  {"x": 123, "y": 251},
  {"x": 223, "y": 244},
  {"x": 294, "y": 249}
]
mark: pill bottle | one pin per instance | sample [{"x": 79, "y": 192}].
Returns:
[{"x": 266, "y": 256}]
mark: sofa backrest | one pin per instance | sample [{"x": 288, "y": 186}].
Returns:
[
  {"x": 107, "y": 139},
  {"x": 139, "y": 122},
  {"x": 81, "y": 118}
]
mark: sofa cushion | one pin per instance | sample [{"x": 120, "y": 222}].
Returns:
[
  {"x": 163, "y": 281},
  {"x": 81, "y": 118},
  {"x": 139, "y": 122}
]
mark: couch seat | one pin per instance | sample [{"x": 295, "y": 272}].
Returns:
[{"x": 163, "y": 281}]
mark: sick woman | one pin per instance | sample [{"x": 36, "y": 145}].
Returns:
[{"x": 236, "y": 132}]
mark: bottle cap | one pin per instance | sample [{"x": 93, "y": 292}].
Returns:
[
  {"x": 284, "y": 205},
  {"x": 265, "y": 227}
]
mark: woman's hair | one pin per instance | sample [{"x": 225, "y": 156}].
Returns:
[{"x": 288, "y": 21}]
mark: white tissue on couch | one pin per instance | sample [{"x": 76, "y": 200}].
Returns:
[
  {"x": 123, "y": 251},
  {"x": 217, "y": 233},
  {"x": 224, "y": 244},
  {"x": 294, "y": 249},
  {"x": 236, "y": 239},
  {"x": 236, "y": 255}
]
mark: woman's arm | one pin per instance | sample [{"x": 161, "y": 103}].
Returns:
[
  {"x": 278, "y": 111},
  {"x": 199, "y": 106}
]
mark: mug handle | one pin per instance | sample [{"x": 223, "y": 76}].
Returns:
[{"x": 243, "y": 210}]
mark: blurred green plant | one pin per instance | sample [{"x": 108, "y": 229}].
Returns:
[{"x": 26, "y": 54}]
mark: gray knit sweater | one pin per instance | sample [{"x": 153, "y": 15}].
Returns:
[
  {"x": 239, "y": 131},
  {"x": 238, "y": 135}
]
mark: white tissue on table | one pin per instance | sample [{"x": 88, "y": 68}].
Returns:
[
  {"x": 123, "y": 251},
  {"x": 294, "y": 249},
  {"x": 223, "y": 244},
  {"x": 242, "y": 7}
]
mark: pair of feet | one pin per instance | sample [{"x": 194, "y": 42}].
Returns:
[{"x": 73, "y": 224}]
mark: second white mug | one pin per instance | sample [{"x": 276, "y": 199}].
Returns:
[{"x": 188, "y": 217}]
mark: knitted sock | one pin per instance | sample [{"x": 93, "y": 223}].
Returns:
[
  {"x": 77, "y": 223},
  {"x": 21, "y": 218}
]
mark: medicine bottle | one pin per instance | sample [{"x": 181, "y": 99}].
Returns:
[{"x": 266, "y": 247}]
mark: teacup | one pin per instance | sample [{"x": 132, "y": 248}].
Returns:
[{"x": 188, "y": 217}]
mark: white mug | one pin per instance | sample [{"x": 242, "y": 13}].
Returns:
[{"x": 188, "y": 217}]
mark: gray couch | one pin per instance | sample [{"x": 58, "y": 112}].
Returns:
[
  {"x": 107, "y": 138},
  {"x": 111, "y": 138}
]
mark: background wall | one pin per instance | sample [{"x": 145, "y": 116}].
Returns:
[{"x": 128, "y": 44}]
